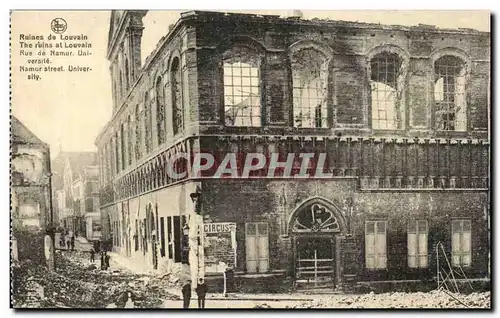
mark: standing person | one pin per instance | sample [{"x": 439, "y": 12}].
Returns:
[
  {"x": 186, "y": 293},
  {"x": 106, "y": 259},
  {"x": 72, "y": 243},
  {"x": 102, "y": 260},
  {"x": 92, "y": 255},
  {"x": 201, "y": 291},
  {"x": 68, "y": 242}
]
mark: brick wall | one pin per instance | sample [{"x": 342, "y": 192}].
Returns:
[
  {"x": 349, "y": 84},
  {"x": 258, "y": 201}
]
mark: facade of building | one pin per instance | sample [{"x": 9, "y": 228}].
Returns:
[
  {"x": 30, "y": 192},
  {"x": 401, "y": 112},
  {"x": 76, "y": 193}
]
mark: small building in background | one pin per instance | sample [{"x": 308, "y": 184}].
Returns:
[
  {"x": 30, "y": 191},
  {"x": 76, "y": 193}
]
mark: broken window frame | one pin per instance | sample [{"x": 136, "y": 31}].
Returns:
[
  {"x": 450, "y": 101},
  {"x": 160, "y": 111},
  {"x": 399, "y": 66},
  {"x": 148, "y": 124},
  {"x": 245, "y": 64},
  {"x": 177, "y": 96},
  {"x": 321, "y": 85},
  {"x": 138, "y": 132}
]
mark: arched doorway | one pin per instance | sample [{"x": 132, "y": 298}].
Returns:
[{"x": 316, "y": 228}]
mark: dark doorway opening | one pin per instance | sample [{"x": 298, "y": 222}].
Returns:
[{"x": 315, "y": 260}]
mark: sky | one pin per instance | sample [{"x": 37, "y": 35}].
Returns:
[{"x": 68, "y": 110}]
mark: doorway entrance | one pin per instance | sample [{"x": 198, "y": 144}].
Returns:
[
  {"x": 316, "y": 227},
  {"x": 315, "y": 260}
]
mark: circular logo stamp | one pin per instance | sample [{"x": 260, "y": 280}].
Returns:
[{"x": 58, "y": 25}]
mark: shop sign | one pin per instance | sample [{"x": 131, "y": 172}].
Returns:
[{"x": 219, "y": 227}]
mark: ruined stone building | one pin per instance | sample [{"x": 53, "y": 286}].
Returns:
[
  {"x": 29, "y": 191},
  {"x": 76, "y": 193},
  {"x": 401, "y": 111}
]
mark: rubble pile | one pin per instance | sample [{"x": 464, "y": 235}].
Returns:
[
  {"x": 433, "y": 299},
  {"x": 77, "y": 283}
]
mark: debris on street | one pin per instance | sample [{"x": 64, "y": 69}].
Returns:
[
  {"x": 77, "y": 283},
  {"x": 433, "y": 299}
]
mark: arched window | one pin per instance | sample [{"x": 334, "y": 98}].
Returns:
[
  {"x": 123, "y": 145},
  {"x": 117, "y": 153},
  {"x": 160, "y": 111},
  {"x": 449, "y": 93},
  {"x": 120, "y": 85},
  {"x": 310, "y": 78},
  {"x": 386, "y": 91},
  {"x": 127, "y": 78},
  {"x": 242, "y": 101},
  {"x": 130, "y": 134},
  {"x": 138, "y": 133},
  {"x": 177, "y": 105},
  {"x": 148, "y": 123}
]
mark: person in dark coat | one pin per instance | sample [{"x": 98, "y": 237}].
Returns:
[
  {"x": 201, "y": 291},
  {"x": 72, "y": 243},
  {"x": 106, "y": 259},
  {"x": 92, "y": 255},
  {"x": 186, "y": 293},
  {"x": 103, "y": 261}
]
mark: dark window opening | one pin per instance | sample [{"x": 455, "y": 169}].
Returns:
[
  {"x": 122, "y": 147},
  {"x": 148, "y": 123},
  {"x": 162, "y": 237},
  {"x": 160, "y": 112},
  {"x": 170, "y": 238},
  {"x": 145, "y": 235},
  {"x": 184, "y": 241},
  {"x": 177, "y": 241},
  {"x": 138, "y": 133},
  {"x": 177, "y": 105},
  {"x": 136, "y": 236}
]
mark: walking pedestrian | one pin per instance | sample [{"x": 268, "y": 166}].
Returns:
[
  {"x": 72, "y": 243},
  {"x": 201, "y": 291},
  {"x": 68, "y": 242},
  {"x": 186, "y": 293},
  {"x": 92, "y": 255}
]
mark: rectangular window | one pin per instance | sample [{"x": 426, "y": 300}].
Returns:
[
  {"x": 257, "y": 247},
  {"x": 162, "y": 237},
  {"x": 375, "y": 244},
  {"x": 242, "y": 88},
  {"x": 177, "y": 241},
  {"x": 461, "y": 243},
  {"x": 417, "y": 244},
  {"x": 170, "y": 238}
]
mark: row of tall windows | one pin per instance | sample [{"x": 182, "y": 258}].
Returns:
[
  {"x": 310, "y": 71},
  {"x": 134, "y": 137},
  {"x": 418, "y": 250}
]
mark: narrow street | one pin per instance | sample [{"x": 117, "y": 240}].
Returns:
[{"x": 79, "y": 283}]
